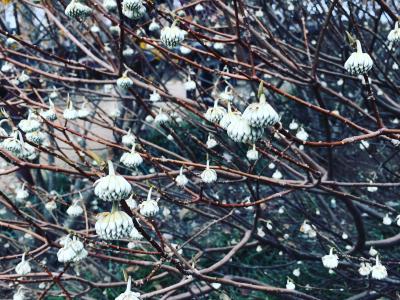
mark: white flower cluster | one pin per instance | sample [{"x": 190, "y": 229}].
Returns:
[
  {"x": 23, "y": 267},
  {"x": 114, "y": 225},
  {"x": 112, "y": 187},
  {"x": 358, "y": 63},
  {"x": 133, "y": 9},
  {"x": 131, "y": 159},
  {"x": 73, "y": 250},
  {"x": 78, "y": 9},
  {"x": 172, "y": 36},
  {"x": 149, "y": 207}
]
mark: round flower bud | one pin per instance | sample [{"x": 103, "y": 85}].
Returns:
[
  {"x": 21, "y": 193},
  {"x": 215, "y": 113},
  {"x": 36, "y": 137},
  {"x": 154, "y": 26},
  {"x": 260, "y": 114},
  {"x": 172, "y": 36},
  {"x": 77, "y": 9},
  {"x": 49, "y": 114},
  {"x": 128, "y": 52},
  {"x": 70, "y": 113},
  {"x": 199, "y": 7},
  {"x": 19, "y": 295},
  {"x": 365, "y": 269},
  {"x": 394, "y": 35},
  {"x": 208, "y": 175},
  {"x": 181, "y": 180},
  {"x": 112, "y": 187},
  {"x": 330, "y": 260},
  {"x": 75, "y": 209},
  {"x": 128, "y": 294},
  {"x": 358, "y": 63},
  {"x": 128, "y": 139},
  {"x": 211, "y": 142},
  {"x": 290, "y": 284},
  {"x": 378, "y": 271},
  {"x": 23, "y": 267},
  {"x": 189, "y": 85},
  {"x": 72, "y": 251},
  {"x": 154, "y": 97},
  {"x": 132, "y": 204},
  {"x": 23, "y": 77},
  {"x": 149, "y": 207},
  {"x": 131, "y": 159},
  {"x": 161, "y": 117},
  {"x": 13, "y": 144},
  {"x": 51, "y": 205},
  {"x": 124, "y": 82},
  {"x": 302, "y": 134},
  {"x": 30, "y": 124},
  {"x": 113, "y": 225},
  {"x": 252, "y": 154}
]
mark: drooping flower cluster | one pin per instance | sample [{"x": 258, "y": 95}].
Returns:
[
  {"x": 112, "y": 187},
  {"x": 73, "y": 250},
  {"x": 149, "y": 207},
  {"x": 78, "y": 9},
  {"x": 128, "y": 294},
  {"x": 172, "y": 36},
  {"x": 133, "y": 9},
  {"x": 358, "y": 63},
  {"x": 114, "y": 225}
]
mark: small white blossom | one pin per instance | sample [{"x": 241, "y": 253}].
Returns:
[
  {"x": 387, "y": 220},
  {"x": 114, "y": 225},
  {"x": 73, "y": 250},
  {"x": 23, "y": 267},
  {"x": 149, "y": 207},
  {"x": 252, "y": 154},
  {"x": 358, "y": 63},
  {"x": 208, "y": 175},
  {"x": 330, "y": 261},
  {"x": 378, "y": 271},
  {"x": 77, "y": 9},
  {"x": 172, "y": 36},
  {"x": 181, "y": 180},
  {"x": 112, "y": 187},
  {"x": 290, "y": 284},
  {"x": 365, "y": 269},
  {"x": 131, "y": 159}
]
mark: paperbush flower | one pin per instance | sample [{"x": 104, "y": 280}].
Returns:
[
  {"x": 149, "y": 207},
  {"x": 77, "y": 9},
  {"x": 260, "y": 114},
  {"x": 113, "y": 225},
  {"x": 110, "y": 5},
  {"x": 124, "y": 82},
  {"x": 330, "y": 261},
  {"x": 208, "y": 175},
  {"x": 172, "y": 36},
  {"x": 378, "y": 271},
  {"x": 358, "y": 63},
  {"x": 252, "y": 154},
  {"x": 131, "y": 159},
  {"x": 23, "y": 267},
  {"x": 49, "y": 114},
  {"x": 128, "y": 139},
  {"x": 154, "y": 26},
  {"x": 30, "y": 124},
  {"x": 112, "y": 187},
  {"x": 75, "y": 209},
  {"x": 181, "y": 180},
  {"x": 72, "y": 251},
  {"x": 215, "y": 113},
  {"x": 394, "y": 35}
]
